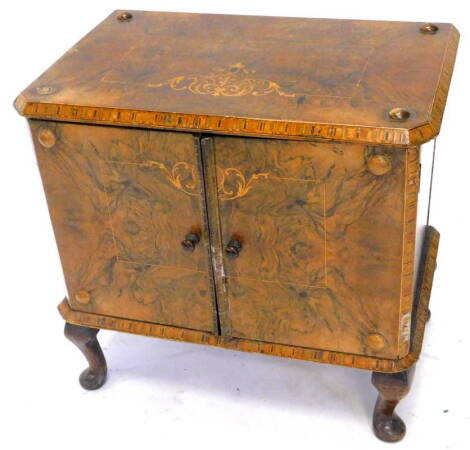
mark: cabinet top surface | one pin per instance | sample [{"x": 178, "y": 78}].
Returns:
[{"x": 351, "y": 80}]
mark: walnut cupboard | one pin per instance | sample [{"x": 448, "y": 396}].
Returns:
[{"x": 258, "y": 193}]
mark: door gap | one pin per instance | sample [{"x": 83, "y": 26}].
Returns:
[{"x": 210, "y": 231}]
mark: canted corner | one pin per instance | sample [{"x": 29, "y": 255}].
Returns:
[{"x": 20, "y": 103}]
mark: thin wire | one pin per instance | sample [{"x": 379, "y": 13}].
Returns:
[{"x": 432, "y": 177}]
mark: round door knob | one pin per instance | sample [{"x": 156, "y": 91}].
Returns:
[
  {"x": 190, "y": 241},
  {"x": 233, "y": 249}
]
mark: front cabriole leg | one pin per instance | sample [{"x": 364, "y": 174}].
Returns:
[
  {"x": 85, "y": 339},
  {"x": 392, "y": 387}
]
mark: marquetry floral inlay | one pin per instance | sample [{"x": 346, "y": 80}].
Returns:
[
  {"x": 232, "y": 81},
  {"x": 183, "y": 176},
  {"x": 232, "y": 184}
]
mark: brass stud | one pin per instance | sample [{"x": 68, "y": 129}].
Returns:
[
  {"x": 46, "y": 138},
  {"x": 124, "y": 17},
  {"x": 375, "y": 341},
  {"x": 83, "y": 297},
  {"x": 399, "y": 114},
  {"x": 46, "y": 90},
  {"x": 379, "y": 164},
  {"x": 429, "y": 28}
]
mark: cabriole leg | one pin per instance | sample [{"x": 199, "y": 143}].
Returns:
[
  {"x": 85, "y": 339},
  {"x": 392, "y": 387}
]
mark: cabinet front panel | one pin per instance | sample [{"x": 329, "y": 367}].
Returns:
[
  {"x": 321, "y": 232},
  {"x": 121, "y": 203}
]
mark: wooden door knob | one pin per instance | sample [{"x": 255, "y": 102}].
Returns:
[
  {"x": 189, "y": 242},
  {"x": 233, "y": 248}
]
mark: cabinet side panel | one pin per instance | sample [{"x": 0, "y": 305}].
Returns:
[
  {"x": 411, "y": 190},
  {"x": 426, "y": 167}
]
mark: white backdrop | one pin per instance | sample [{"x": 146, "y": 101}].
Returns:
[{"x": 163, "y": 394}]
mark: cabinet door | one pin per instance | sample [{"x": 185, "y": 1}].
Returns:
[
  {"x": 122, "y": 201},
  {"x": 311, "y": 242}
]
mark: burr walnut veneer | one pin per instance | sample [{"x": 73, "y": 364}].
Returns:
[{"x": 247, "y": 182}]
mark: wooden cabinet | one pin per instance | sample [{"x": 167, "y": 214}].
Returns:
[
  {"x": 282, "y": 230},
  {"x": 258, "y": 195}
]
